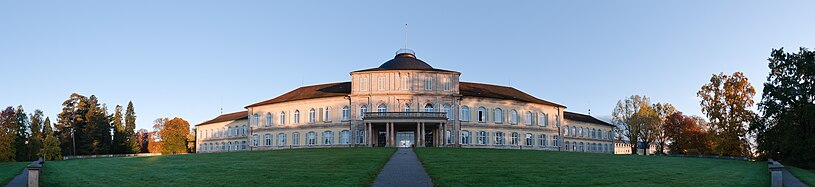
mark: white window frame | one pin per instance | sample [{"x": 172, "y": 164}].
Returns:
[
  {"x": 465, "y": 113},
  {"x": 498, "y": 115},
  {"x": 382, "y": 108},
  {"x": 296, "y": 116},
  {"x": 312, "y": 116}
]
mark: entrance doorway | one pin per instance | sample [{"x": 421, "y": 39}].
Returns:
[
  {"x": 404, "y": 138},
  {"x": 382, "y": 137},
  {"x": 428, "y": 139}
]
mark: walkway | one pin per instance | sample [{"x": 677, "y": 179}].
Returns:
[
  {"x": 403, "y": 169},
  {"x": 20, "y": 180}
]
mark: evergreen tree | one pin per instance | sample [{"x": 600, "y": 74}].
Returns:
[
  {"x": 130, "y": 129},
  {"x": 50, "y": 150},
  {"x": 8, "y": 134},
  {"x": 21, "y": 141},
  {"x": 71, "y": 124},
  {"x": 46, "y": 127},
  {"x": 35, "y": 141},
  {"x": 120, "y": 145}
]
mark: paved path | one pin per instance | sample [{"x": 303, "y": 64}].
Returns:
[
  {"x": 790, "y": 180},
  {"x": 403, "y": 169},
  {"x": 20, "y": 180}
]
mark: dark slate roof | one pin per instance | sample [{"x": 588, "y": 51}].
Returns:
[
  {"x": 405, "y": 61},
  {"x": 499, "y": 92},
  {"x": 584, "y": 118},
  {"x": 227, "y": 117},
  {"x": 310, "y": 92},
  {"x": 344, "y": 89}
]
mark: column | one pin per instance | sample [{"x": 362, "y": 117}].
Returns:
[
  {"x": 392, "y": 135},
  {"x": 444, "y": 134},
  {"x": 417, "y": 134},
  {"x": 388, "y": 135},
  {"x": 423, "y": 137}
]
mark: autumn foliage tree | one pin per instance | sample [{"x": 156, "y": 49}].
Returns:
[
  {"x": 8, "y": 133},
  {"x": 686, "y": 136},
  {"x": 174, "y": 136},
  {"x": 628, "y": 117},
  {"x": 726, "y": 101}
]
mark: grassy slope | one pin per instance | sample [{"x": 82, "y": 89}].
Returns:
[
  {"x": 298, "y": 167},
  {"x": 805, "y": 176},
  {"x": 10, "y": 169},
  {"x": 492, "y": 167}
]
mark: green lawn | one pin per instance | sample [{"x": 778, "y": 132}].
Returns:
[
  {"x": 495, "y": 167},
  {"x": 297, "y": 167},
  {"x": 10, "y": 169},
  {"x": 805, "y": 176}
]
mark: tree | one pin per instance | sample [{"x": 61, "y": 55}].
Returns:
[
  {"x": 686, "y": 136},
  {"x": 8, "y": 134},
  {"x": 21, "y": 141},
  {"x": 663, "y": 110},
  {"x": 726, "y": 101},
  {"x": 649, "y": 122},
  {"x": 35, "y": 142},
  {"x": 120, "y": 144},
  {"x": 624, "y": 117},
  {"x": 70, "y": 124},
  {"x": 788, "y": 107},
  {"x": 130, "y": 127},
  {"x": 50, "y": 150},
  {"x": 174, "y": 136},
  {"x": 142, "y": 141},
  {"x": 154, "y": 137}
]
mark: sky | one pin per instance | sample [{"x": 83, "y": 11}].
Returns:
[{"x": 190, "y": 59}]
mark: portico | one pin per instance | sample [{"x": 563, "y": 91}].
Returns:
[{"x": 405, "y": 129}]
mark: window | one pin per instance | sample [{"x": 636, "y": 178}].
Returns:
[
  {"x": 311, "y": 138},
  {"x": 255, "y": 119},
  {"x": 255, "y": 140},
  {"x": 269, "y": 119},
  {"x": 243, "y": 145},
  {"x": 428, "y": 83},
  {"x": 499, "y": 138},
  {"x": 296, "y": 116},
  {"x": 544, "y": 119},
  {"x": 482, "y": 138},
  {"x": 513, "y": 117},
  {"x": 447, "y": 84},
  {"x": 567, "y": 131},
  {"x": 362, "y": 110},
  {"x": 364, "y": 84},
  {"x": 581, "y": 147},
  {"x": 328, "y": 138},
  {"x": 312, "y": 116},
  {"x": 345, "y": 137},
  {"x": 447, "y": 135},
  {"x": 268, "y": 138},
  {"x": 382, "y": 108},
  {"x": 556, "y": 140},
  {"x": 405, "y": 82},
  {"x": 243, "y": 130},
  {"x": 574, "y": 131},
  {"x": 295, "y": 138},
  {"x": 499, "y": 115},
  {"x": 448, "y": 112},
  {"x": 514, "y": 140},
  {"x": 346, "y": 113},
  {"x": 428, "y": 108},
  {"x": 530, "y": 140},
  {"x": 381, "y": 83},
  {"x": 327, "y": 115},
  {"x": 281, "y": 139},
  {"x": 529, "y": 118},
  {"x": 360, "y": 136},
  {"x": 465, "y": 113},
  {"x": 282, "y": 118},
  {"x": 482, "y": 114},
  {"x": 465, "y": 137},
  {"x": 542, "y": 139},
  {"x": 593, "y": 133},
  {"x": 407, "y": 107}
]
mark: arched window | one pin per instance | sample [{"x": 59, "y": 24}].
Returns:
[
  {"x": 513, "y": 117},
  {"x": 482, "y": 115},
  {"x": 255, "y": 140},
  {"x": 482, "y": 138},
  {"x": 499, "y": 138},
  {"x": 346, "y": 113},
  {"x": 327, "y": 115},
  {"x": 582, "y": 148},
  {"x": 311, "y": 138},
  {"x": 312, "y": 116},
  {"x": 499, "y": 115},
  {"x": 243, "y": 131},
  {"x": 567, "y": 131},
  {"x": 255, "y": 119},
  {"x": 281, "y": 139},
  {"x": 528, "y": 118},
  {"x": 362, "y": 110},
  {"x": 268, "y": 139},
  {"x": 345, "y": 137},
  {"x": 269, "y": 119},
  {"x": 407, "y": 107},
  {"x": 382, "y": 108},
  {"x": 328, "y": 138},
  {"x": 574, "y": 131},
  {"x": 530, "y": 140},
  {"x": 465, "y": 137},
  {"x": 542, "y": 139},
  {"x": 295, "y": 138},
  {"x": 228, "y": 146},
  {"x": 428, "y": 83},
  {"x": 543, "y": 119},
  {"x": 515, "y": 138},
  {"x": 296, "y": 116},
  {"x": 282, "y": 118},
  {"x": 428, "y": 108},
  {"x": 218, "y": 146},
  {"x": 593, "y": 133},
  {"x": 448, "y": 111},
  {"x": 465, "y": 113}
]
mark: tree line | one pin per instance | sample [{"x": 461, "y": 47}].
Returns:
[{"x": 782, "y": 128}]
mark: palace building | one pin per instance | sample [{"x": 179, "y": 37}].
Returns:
[{"x": 405, "y": 102}]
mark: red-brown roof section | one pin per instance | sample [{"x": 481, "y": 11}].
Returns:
[
  {"x": 227, "y": 117},
  {"x": 466, "y": 89}
]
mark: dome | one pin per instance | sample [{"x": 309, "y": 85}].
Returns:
[{"x": 405, "y": 60}]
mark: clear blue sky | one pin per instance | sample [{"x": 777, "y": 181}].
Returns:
[{"x": 190, "y": 58}]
